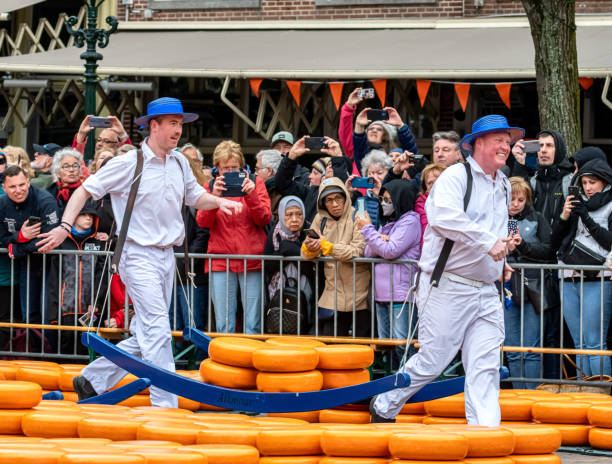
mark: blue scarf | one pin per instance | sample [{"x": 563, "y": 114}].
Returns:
[{"x": 80, "y": 235}]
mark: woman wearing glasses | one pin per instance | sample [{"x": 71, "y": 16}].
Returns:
[{"x": 67, "y": 169}]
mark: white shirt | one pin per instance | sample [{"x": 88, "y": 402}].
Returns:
[
  {"x": 156, "y": 217},
  {"x": 474, "y": 231}
]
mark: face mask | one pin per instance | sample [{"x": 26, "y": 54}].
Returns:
[{"x": 387, "y": 208}]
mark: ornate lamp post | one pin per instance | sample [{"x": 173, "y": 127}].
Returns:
[{"x": 91, "y": 35}]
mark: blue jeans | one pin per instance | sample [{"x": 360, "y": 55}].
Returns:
[
  {"x": 223, "y": 288},
  {"x": 200, "y": 310},
  {"x": 30, "y": 291},
  {"x": 593, "y": 333},
  {"x": 523, "y": 364},
  {"x": 401, "y": 326}
]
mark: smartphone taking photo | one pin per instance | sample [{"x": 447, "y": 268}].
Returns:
[
  {"x": 574, "y": 190},
  {"x": 101, "y": 122},
  {"x": 315, "y": 143},
  {"x": 377, "y": 115}
]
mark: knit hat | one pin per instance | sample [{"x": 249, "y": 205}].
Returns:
[{"x": 321, "y": 164}]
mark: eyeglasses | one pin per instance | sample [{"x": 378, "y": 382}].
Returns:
[
  {"x": 334, "y": 200},
  {"x": 68, "y": 167},
  {"x": 107, "y": 141}
]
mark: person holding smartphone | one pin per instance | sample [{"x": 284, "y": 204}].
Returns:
[
  {"x": 339, "y": 238},
  {"x": 524, "y": 310},
  {"x": 583, "y": 236},
  {"x": 238, "y": 234},
  {"x": 27, "y": 211},
  {"x": 398, "y": 237}
]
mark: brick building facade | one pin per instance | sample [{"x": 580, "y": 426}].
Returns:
[{"x": 308, "y": 10}]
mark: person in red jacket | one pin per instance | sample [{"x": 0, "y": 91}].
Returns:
[{"x": 239, "y": 234}]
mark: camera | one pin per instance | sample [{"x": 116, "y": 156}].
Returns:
[
  {"x": 97, "y": 121},
  {"x": 233, "y": 184},
  {"x": 315, "y": 143},
  {"x": 366, "y": 93},
  {"x": 363, "y": 182},
  {"x": 377, "y": 115}
]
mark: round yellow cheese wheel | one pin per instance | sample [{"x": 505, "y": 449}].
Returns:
[
  {"x": 600, "y": 415},
  {"x": 277, "y": 358},
  {"x": 19, "y": 395},
  {"x": 234, "y": 351},
  {"x": 308, "y": 416},
  {"x": 10, "y": 421},
  {"x": 413, "y": 408},
  {"x": 535, "y": 439},
  {"x": 535, "y": 459},
  {"x": 340, "y": 357},
  {"x": 344, "y": 378},
  {"x": 290, "y": 442},
  {"x": 276, "y": 382},
  {"x": 450, "y": 406},
  {"x": 225, "y": 454},
  {"x": 228, "y": 436},
  {"x": 560, "y": 412},
  {"x": 295, "y": 341},
  {"x": 51, "y": 424},
  {"x": 428, "y": 445},
  {"x": 600, "y": 438},
  {"x": 100, "y": 458},
  {"x": 224, "y": 375},
  {"x": 290, "y": 459},
  {"x": 112, "y": 427},
  {"x": 344, "y": 417},
  {"x": 515, "y": 409},
  {"x": 484, "y": 442},
  {"x": 355, "y": 443},
  {"x": 46, "y": 378},
  {"x": 27, "y": 455},
  {"x": 181, "y": 432},
  {"x": 573, "y": 434},
  {"x": 161, "y": 456}
]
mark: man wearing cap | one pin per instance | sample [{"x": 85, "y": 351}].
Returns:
[
  {"x": 464, "y": 311},
  {"x": 156, "y": 225},
  {"x": 42, "y": 163},
  {"x": 283, "y": 142}
]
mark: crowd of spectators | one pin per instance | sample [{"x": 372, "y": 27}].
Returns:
[{"x": 561, "y": 206}]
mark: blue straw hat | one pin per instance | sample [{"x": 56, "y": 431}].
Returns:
[
  {"x": 489, "y": 125},
  {"x": 165, "y": 106}
]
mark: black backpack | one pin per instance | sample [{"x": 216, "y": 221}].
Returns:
[{"x": 288, "y": 313}]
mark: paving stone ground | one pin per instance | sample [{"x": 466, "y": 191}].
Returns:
[{"x": 572, "y": 458}]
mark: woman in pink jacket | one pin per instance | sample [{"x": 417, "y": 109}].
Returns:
[{"x": 237, "y": 234}]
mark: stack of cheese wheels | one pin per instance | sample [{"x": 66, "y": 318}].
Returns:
[
  {"x": 600, "y": 417},
  {"x": 230, "y": 364},
  {"x": 344, "y": 365},
  {"x": 284, "y": 364},
  {"x": 287, "y": 368}
]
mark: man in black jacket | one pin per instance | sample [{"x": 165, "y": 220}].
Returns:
[
  {"x": 308, "y": 194},
  {"x": 551, "y": 177},
  {"x": 549, "y": 182},
  {"x": 21, "y": 203}
]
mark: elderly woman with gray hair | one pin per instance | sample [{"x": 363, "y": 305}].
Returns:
[
  {"x": 67, "y": 168},
  {"x": 375, "y": 165}
]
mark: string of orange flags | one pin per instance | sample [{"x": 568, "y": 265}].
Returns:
[{"x": 462, "y": 89}]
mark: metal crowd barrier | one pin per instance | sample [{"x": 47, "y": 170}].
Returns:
[{"x": 20, "y": 340}]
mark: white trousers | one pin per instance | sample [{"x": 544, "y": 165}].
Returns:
[
  {"x": 455, "y": 316},
  {"x": 148, "y": 275}
]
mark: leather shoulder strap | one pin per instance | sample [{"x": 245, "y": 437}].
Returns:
[
  {"x": 436, "y": 275},
  {"x": 185, "y": 214},
  {"x": 127, "y": 215}
]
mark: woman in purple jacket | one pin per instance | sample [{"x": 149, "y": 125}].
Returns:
[{"x": 399, "y": 237}]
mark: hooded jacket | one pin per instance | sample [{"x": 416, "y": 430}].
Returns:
[
  {"x": 348, "y": 243},
  {"x": 403, "y": 228},
  {"x": 308, "y": 194},
  {"x": 362, "y": 147},
  {"x": 586, "y": 154},
  {"x": 591, "y": 224},
  {"x": 73, "y": 284},
  {"x": 549, "y": 183},
  {"x": 239, "y": 233}
]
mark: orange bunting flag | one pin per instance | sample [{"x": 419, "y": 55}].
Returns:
[
  {"x": 255, "y": 83},
  {"x": 586, "y": 82},
  {"x": 504, "y": 93},
  {"x": 294, "y": 88},
  {"x": 463, "y": 91},
  {"x": 381, "y": 90},
  {"x": 422, "y": 89},
  {"x": 336, "y": 91}
]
